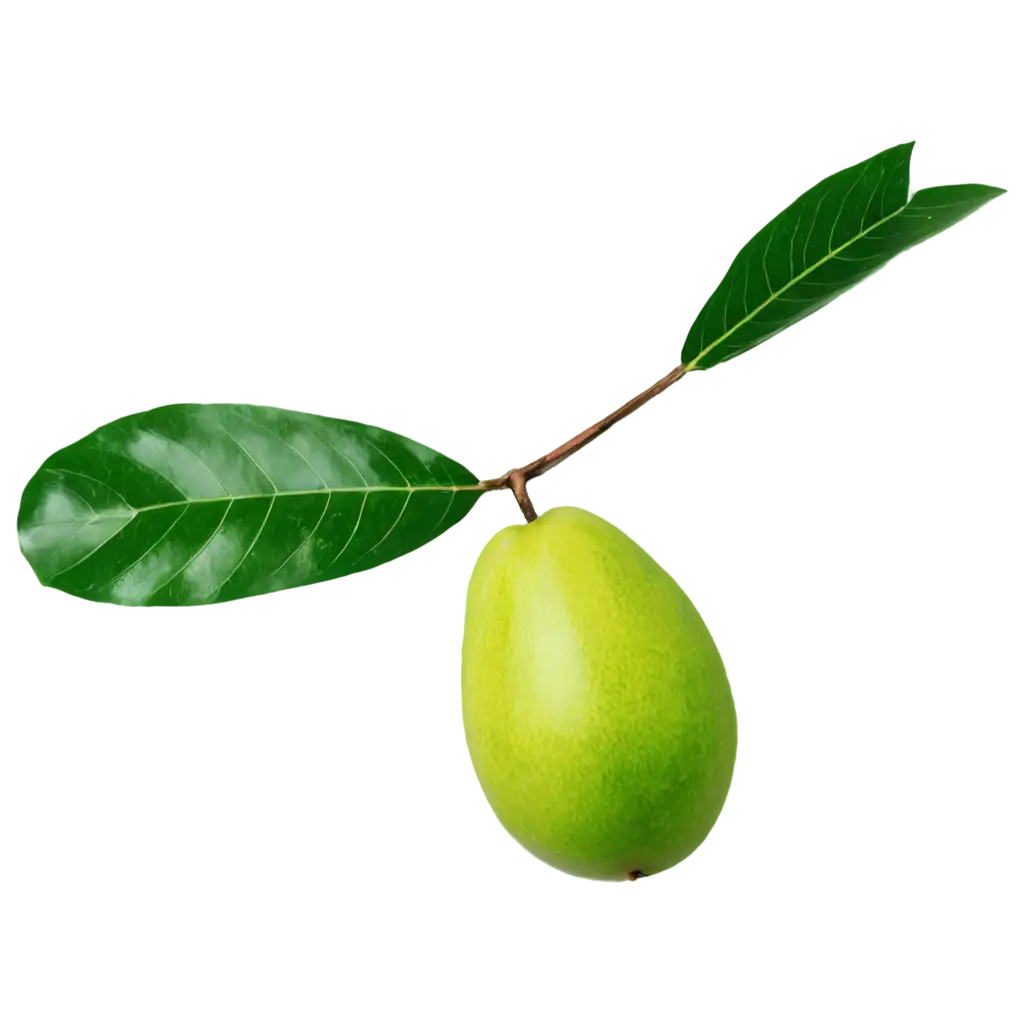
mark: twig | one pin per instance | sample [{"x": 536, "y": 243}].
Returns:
[{"x": 516, "y": 479}]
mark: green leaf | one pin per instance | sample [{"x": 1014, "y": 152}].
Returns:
[
  {"x": 194, "y": 504},
  {"x": 831, "y": 238}
]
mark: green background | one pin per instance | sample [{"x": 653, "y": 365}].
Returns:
[{"x": 263, "y": 815}]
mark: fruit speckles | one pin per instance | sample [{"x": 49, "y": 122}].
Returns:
[{"x": 597, "y": 710}]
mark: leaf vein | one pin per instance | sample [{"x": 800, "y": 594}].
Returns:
[
  {"x": 359, "y": 519},
  {"x": 401, "y": 512},
  {"x": 307, "y": 539},
  {"x": 206, "y": 544},
  {"x": 248, "y": 550}
]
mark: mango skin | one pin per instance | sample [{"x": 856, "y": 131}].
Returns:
[{"x": 597, "y": 711}]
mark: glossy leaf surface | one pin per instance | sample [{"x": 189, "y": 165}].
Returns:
[
  {"x": 195, "y": 504},
  {"x": 831, "y": 238}
]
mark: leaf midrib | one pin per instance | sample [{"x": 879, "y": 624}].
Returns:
[
  {"x": 133, "y": 511},
  {"x": 692, "y": 364}
]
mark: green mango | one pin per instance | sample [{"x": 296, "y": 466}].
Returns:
[{"x": 598, "y": 715}]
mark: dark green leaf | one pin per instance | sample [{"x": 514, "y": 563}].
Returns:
[
  {"x": 832, "y": 237},
  {"x": 193, "y": 504}
]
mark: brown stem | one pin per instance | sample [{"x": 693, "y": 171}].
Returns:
[
  {"x": 517, "y": 481},
  {"x": 516, "y": 478}
]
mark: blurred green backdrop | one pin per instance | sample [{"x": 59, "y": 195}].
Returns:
[{"x": 263, "y": 815}]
